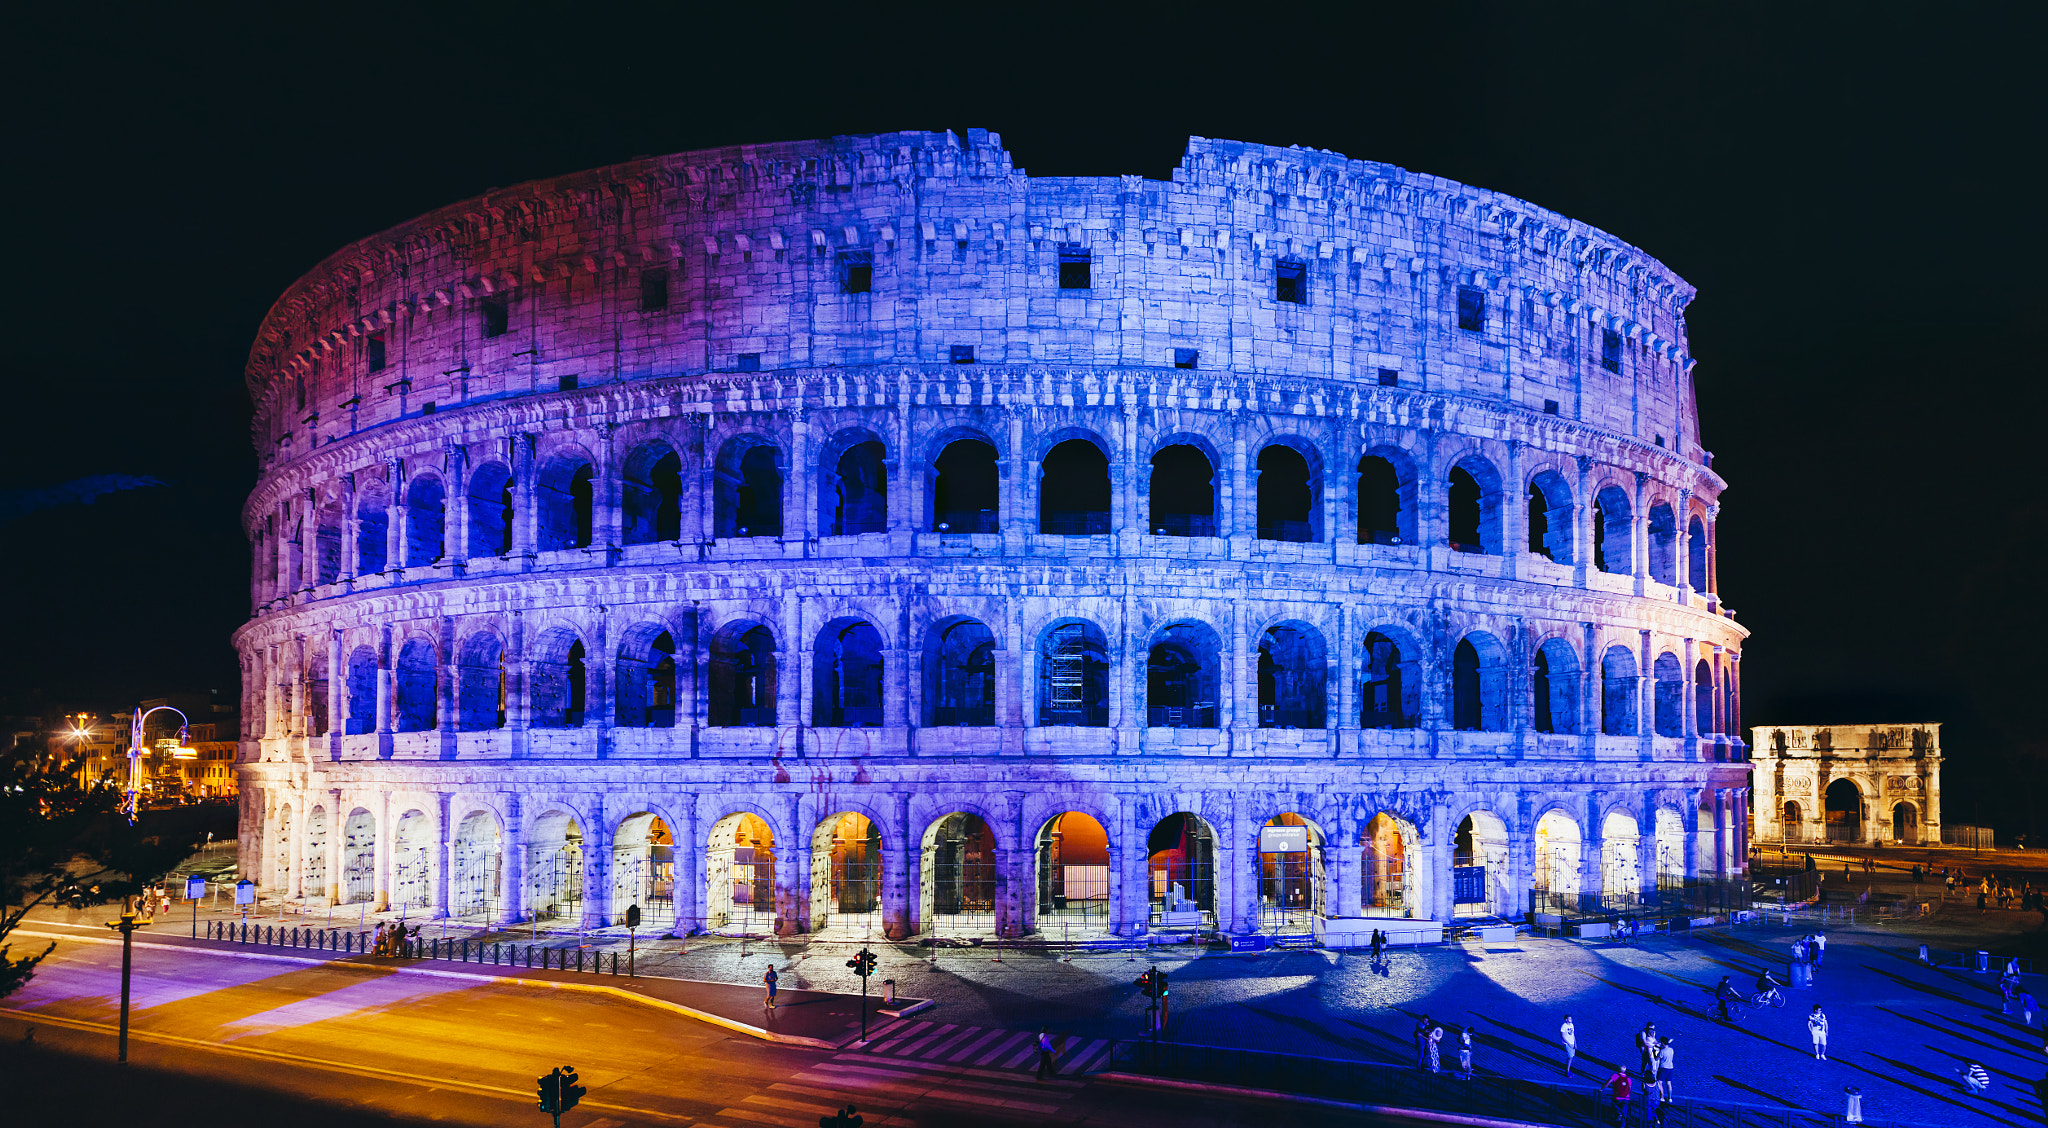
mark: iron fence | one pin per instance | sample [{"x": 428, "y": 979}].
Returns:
[{"x": 493, "y": 953}]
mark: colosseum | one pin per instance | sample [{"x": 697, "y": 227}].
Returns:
[{"x": 862, "y": 537}]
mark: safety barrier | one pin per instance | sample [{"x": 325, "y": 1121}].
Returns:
[{"x": 493, "y": 953}]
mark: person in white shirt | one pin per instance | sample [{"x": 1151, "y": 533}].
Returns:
[
  {"x": 1570, "y": 1034},
  {"x": 1817, "y": 1026}
]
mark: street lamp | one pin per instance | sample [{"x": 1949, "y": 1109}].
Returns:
[
  {"x": 126, "y": 926},
  {"x": 133, "y": 797}
]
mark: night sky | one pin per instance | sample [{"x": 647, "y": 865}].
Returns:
[{"x": 1854, "y": 189}]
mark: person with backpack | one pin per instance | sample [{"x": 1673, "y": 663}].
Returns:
[
  {"x": 1619, "y": 1090},
  {"x": 1817, "y": 1029}
]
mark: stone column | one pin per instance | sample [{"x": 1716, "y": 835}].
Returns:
[
  {"x": 900, "y": 877},
  {"x": 524, "y": 521},
  {"x": 1521, "y": 864},
  {"x": 1682, "y": 548},
  {"x": 1125, "y": 919},
  {"x": 394, "y": 517},
  {"x": 512, "y": 873},
  {"x": 1646, "y": 843},
  {"x": 1646, "y": 697},
  {"x": 605, "y": 496},
  {"x": 337, "y": 825},
  {"x": 1593, "y": 850},
  {"x": 337, "y": 694},
  {"x": 455, "y": 526},
  {"x": 444, "y": 854},
  {"x": 1236, "y": 843},
  {"x": 1014, "y": 470},
  {"x": 1582, "y": 523},
  {"x": 1688, "y": 698},
  {"x": 1639, "y": 534},
  {"x": 598, "y": 840},
  {"x": 447, "y": 719},
  {"x": 387, "y": 694},
  {"x": 1514, "y": 517},
  {"x": 1346, "y": 671},
  {"x": 1342, "y": 860},
  {"x": 1016, "y": 870},
  {"x": 386, "y": 837},
  {"x": 689, "y": 859},
  {"x": 350, "y": 530}
]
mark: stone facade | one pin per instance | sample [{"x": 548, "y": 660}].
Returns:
[
  {"x": 904, "y": 503},
  {"x": 1864, "y": 784}
]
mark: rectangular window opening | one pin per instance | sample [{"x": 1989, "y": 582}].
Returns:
[
  {"x": 373, "y": 352},
  {"x": 427, "y": 408},
  {"x": 653, "y": 290},
  {"x": 1471, "y": 309},
  {"x": 748, "y": 362},
  {"x": 962, "y": 354},
  {"x": 567, "y": 383},
  {"x": 1550, "y": 407},
  {"x": 1074, "y": 267},
  {"x": 1186, "y": 358},
  {"x": 1290, "y": 281},
  {"x": 496, "y": 319},
  {"x": 1610, "y": 350},
  {"x": 1390, "y": 377},
  {"x": 856, "y": 272}
]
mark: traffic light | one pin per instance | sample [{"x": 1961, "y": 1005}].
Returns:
[
  {"x": 1147, "y": 984},
  {"x": 559, "y": 1092},
  {"x": 1159, "y": 982},
  {"x": 862, "y": 963}
]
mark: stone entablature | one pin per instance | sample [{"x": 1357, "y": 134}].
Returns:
[{"x": 1891, "y": 772}]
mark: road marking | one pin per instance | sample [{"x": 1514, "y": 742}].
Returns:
[{"x": 260, "y": 1054}]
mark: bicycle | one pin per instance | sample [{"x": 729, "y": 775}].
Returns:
[{"x": 1770, "y": 998}]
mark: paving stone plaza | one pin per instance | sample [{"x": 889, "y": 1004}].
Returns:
[{"x": 863, "y": 537}]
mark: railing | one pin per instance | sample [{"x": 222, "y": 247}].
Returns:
[
  {"x": 1074, "y": 524},
  {"x": 1183, "y": 525},
  {"x": 493, "y": 953},
  {"x": 1371, "y": 1083},
  {"x": 1272, "y": 716},
  {"x": 1093, "y": 716},
  {"x": 1202, "y": 716}
]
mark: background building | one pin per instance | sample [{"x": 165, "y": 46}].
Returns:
[
  {"x": 863, "y": 534},
  {"x": 1861, "y": 784}
]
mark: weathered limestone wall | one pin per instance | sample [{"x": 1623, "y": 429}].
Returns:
[{"x": 1894, "y": 771}]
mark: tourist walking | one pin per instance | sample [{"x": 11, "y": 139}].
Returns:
[
  {"x": 1819, "y": 949},
  {"x": 1646, "y": 1046},
  {"x": 1975, "y": 1077},
  {"x": 1667, "y": 1064},
  {"x": 2026, "y": 1005},
  {"x": 1570, "y": 1036},
  {"x": 1619, "y": 1091},
  {"x": 1465, "y": 1053},
  {"x": 768, "y": 980},
  {"x": 1817, "y": 1028},
  {"x": 1045, "y": 1053},
  {"x": 1422, "y": 1042},
  {"x": 1436, "y": 1061}
]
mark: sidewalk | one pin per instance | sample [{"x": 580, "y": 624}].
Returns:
[{"x": 820, "y": 1019}]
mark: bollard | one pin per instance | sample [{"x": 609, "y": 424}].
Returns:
[
  {"x": 888, "y": 991},
  {"x": 1983, "y": 961},
  {"x": 1852, "y": 1112},
  {"x": 1923, "y": 953}
]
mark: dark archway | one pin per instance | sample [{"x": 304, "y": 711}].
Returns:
[
  {"x": 1703, "y": 698},
  {"x": 1556, "y": 696},
  {"x": 1181, "y": 677},
  {"x": 964, "y": 488},
  {"x": 1073, "y": 678},
  {"x": 1073, "y": 490},
  {"x": 426, "y": 515},
  {"x": 480, "y": 686},
  {"x": 1180, "y": 857},
  {"x": 1844, "y": 812},
  {"x": 1474, "y": 507},
  {"x": 1696, "y": 553},
  {"x": 644, "y": 690},
  {"x": 846, "y": 680},
  {"x": 960, "y": 674},
  {"x": 743, "y": 678},
  {"x": 373, "y": 531},
  {"x": 557, "y": 682},
  {"x": 362, "y": 692},
  {"x": 1613, "y": 532},
  {"x": 1550, "y": 517},
  {"x": 651, "y": 495},
  {"x": 1289, "y": 506},
  {"x": 1670, "y": 695},
  {"x": 417, "y": 687},
  {"x": 1663, "y": 534},
  {"x": 1618, "y": 692},
  {"x": 1182, "y": 493},
  {"x": 490, "y": 511},
  {"x": 1294, "y": 677},
  {"x": 856, "y": 497},
  {"x": 1386, "y": 499},
  {"x": 747, "y": 491},
  {"x": 1479, "y": 684},
  {"x": 1389, "y": 689}
]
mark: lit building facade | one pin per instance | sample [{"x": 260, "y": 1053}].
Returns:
[
  {"x": 864, "y": 534},
  {"x": 1865, "y": 785}
]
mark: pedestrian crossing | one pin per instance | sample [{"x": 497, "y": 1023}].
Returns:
[{"x": 933, "y": 1065}]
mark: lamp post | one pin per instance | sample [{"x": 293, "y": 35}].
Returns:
[
  {"x": 126, "y": 926},
  {"x": 133, "y": 797}
]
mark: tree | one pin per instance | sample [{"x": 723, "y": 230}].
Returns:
[{"x": 62, "y": 841}]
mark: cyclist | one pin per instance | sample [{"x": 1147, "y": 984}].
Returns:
[
  {"x": 1724, "y": 993},
  {"x": 1767, "y": 988}
]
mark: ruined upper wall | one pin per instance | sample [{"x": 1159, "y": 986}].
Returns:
[
  {"x": 1847, "y": 741},
  {"x": 965, "y": 251}
]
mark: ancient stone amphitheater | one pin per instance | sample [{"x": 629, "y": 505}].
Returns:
[{"x": 863, "y": 536}]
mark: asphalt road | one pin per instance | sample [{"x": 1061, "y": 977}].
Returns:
[{"x": 233, "y": 1041}]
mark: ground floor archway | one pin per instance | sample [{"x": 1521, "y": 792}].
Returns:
[
  {"x": 1844, "y": 812},
  {"x": 1290, "y": 875},
  {"x": 474, "y": 889},
  {"x": 1556, "y": 884},
  {"x": 1905, "y": 825},
  {"x": 1073, "y": 873},
  {"x": 412, "y": 862},
  {"x": 359, "y": 857},
  {"x": 554, "y": 869},
  {"x": 846, "y": 873},
  {"x": 281, "y": 867},
  {"x": 957, "y": 876},
  {"x": 644, "y": 871},
  {"x": 1621, "y": 882},
  {"x": 1389, "y": 860},
  {"x": 1180, "y": 865},
  {"x": 739, "y": 875},
  {"x": 316, "y": 856},
  {"x": 1479, "y": 874}
]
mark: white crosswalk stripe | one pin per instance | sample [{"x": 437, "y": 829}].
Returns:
[{"x": 878, "y": 1085}]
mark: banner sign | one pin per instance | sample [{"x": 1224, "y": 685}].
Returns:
[{"x": 1283, "y": 840}]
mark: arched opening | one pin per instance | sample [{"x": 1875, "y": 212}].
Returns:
[
  {"x": 1670, "y": 833},
  {"x": 295, "y": 556},
  {"x": 644, "y": 872},
  {"x": 960, "y": 674},
  {"x": 1905, "y": 825},
  {"x": 412, "y": 862},
  {"x": 554, "y": 869},
  {"x": 1474, "y": 509},
  {"x": 373, "y": 530},
  {"x": 1621, "y": 865},
  {"x": 963, "y": 494},
  {"x": 1550, "y": 517},
  {"x": 1703, "y": 698},
  {"x": 846, "y": 677},
  {"x": 644, "y": 691},
  {"x": 315, "y": 884},
  {"x": 490, "y": 511},
  {"x": 1790, "y": 827},
  {"x": 747, "y": 493},
  {"x": 474, "y": 891},
  {"x": 856, "y": 497},
  {"x": 1180, "y": 862},
  {"x": 1290, "y": 869},
  {"x": 316, "y": 692},
  {"x": 1181, "y": 677},
  {"x": 1073, "y": 873},
  {"x": 1663, "y": 532},
  {"x": 651, "y": 495},
  {"x": 1844, "y": 812},
  {"x": 1556, "y": 689},
  {"x": 563, "y": 497},
  {"x": 846, "y": 874},
  {"x": 1289, "y": 506},
  {"x": 739, "y": 875},
  {"x": 1073, "y": 490},
  {"x": 742, "y": 678},
  {"x": 1479, "y": 684},
  {"x": 1556, "y": 880},
  {"x": 1073, "y": 681},
  {"x": 1618, "y": 692},
  {"x": 557, "y": 677},
  {"x": 1388, "y": 843},
  {"x": 1696, "y": 553},
  {"x": 281, "y": 854},
  {"x": 1670, "y": 695},
  {"x": 1479, "y": 860},
  {"x": 1182, "y": 493},
  {"x": 1390, "y": 694},
  {"x": 327, "y": 545},
  {"x": 481, "y": 689},
  {"x": 417, "y": 689},
  {"x": 1613, "y": 532},
  {"x": 957, "y": 877},
  {"x": 1386, "y": 500},
  {"x": 426, "y": 504},
  {"x": 1294, "y": 677},
  {"x": 359, "y": 857}
]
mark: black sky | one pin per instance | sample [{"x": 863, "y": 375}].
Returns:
[{"x": 1854, "y": 189}]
